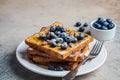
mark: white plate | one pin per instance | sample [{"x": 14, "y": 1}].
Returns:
[{"x": 88, "y": 67}]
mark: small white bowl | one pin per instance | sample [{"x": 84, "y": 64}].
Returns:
[{"x": 102, "y": 34}]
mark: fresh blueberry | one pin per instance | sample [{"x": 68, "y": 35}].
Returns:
[
  {"x": 63, "y": 29},
  {"x": 105, "y": 23},
  {"x": 57, "y": 32},
  {"x": 53, "y": 44},
  {"x": 48, "y": 37},
  {"x": 59, "y": 68},
  {"x": 111, "y": 25},
  {"x": 78, "y": 24},
  {"x": 85, "y": 24},
  {"x": 80, "y": 36},
  {"x": 96, "y": 25},
  {"x": 52, "y": 35},
  {"x": 100, "y": 20},
  {"x": 52, "y": 29},
  {"x": 73, "y": 40},
  {"x": 42, "y": 36},
  {"x": 68, "y": 39},
  {"x": 63, "y": 46},
  {"x": 50, "y": 67},
  {"x": 104, "y": 28},
  {"x": 58, "y": 28},
  {"x": 59, "y": 40},
  {"x": 109, "y": 20},
  {"x": 63, "y": 35},
  {"x": 81, "y": 29}
]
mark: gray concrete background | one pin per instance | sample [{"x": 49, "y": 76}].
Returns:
[{"x": 21, "y": 18}]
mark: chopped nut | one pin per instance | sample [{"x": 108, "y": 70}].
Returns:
[
  {"x": 59, "y": 44},
  {"x": 44, "y": 43},
  {"x": 71, "y": 44}
]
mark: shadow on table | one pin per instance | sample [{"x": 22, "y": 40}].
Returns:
[{"x": 23, "y": 73}]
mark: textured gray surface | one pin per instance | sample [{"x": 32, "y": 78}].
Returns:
[{"x": 21, "y": 18}]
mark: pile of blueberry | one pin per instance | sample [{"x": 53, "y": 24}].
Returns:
[
  {"x": 58, "y": 68},
  {"x": 58, "y": 34},
  {"x": 103, "y": 24},
  {"x": 82, "y": 27}
]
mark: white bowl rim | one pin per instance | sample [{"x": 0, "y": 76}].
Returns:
[{"x": 91, "y": 25}]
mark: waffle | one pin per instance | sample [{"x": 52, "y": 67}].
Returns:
[{"x": 36, "y": 43}]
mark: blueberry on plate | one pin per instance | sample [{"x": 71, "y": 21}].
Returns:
[
  {"x": 104, "y": 28},
  {"x": 52, "y": 35},
  {"x": 73, "y": 40},
  {"x": 58, "y": 28},
  {"x": 111, "y": 25},
  {"x": 100, "y": 20},
  {"x": 63, "y": 35},
  {"x": 80, "y": 36},
  {"x": 68, "y": 39},
  {"x": 78, "y": 24},
  {"x": 59, "y": 40},
  {"x": 105, "y": 23},
  {"x": 109, "y": 20},
  {"x": 57, "y": 32},
  {"x": 63, "y": 29},
  {"x": 53, "y": 44},
  {"x": 42, "y": 36},
  {"x": 52, "y": 29},
  {"x": 81, "y": 29},
  {"x": 63, "y": 46},
  {"x": 59, "y": 68},
  {"x": 50, "y": 67},
  {"x": 85, "y": 24}
]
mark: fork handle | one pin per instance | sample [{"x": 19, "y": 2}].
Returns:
[{"x": 71, "y": 75}]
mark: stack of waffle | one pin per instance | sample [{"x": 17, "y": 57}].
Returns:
[{"x": 41, "y": 52}]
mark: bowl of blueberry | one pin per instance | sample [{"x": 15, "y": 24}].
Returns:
[{"x": 103, "y": 29}]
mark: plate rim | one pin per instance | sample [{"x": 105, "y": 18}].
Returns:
[{"x": 61, "y": 72}]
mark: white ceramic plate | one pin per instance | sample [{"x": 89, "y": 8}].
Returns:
[{"x": 88, "y": 67}]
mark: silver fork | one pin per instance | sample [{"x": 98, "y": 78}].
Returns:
[{"x": 94, "y": 53}]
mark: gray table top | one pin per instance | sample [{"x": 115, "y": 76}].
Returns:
[{"x": 19, "y": 19}]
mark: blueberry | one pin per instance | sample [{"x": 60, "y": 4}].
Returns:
[
  {"x": 105, "y": 23},
  {"x": 42, "y": 36},
  {"x": 96, "y": 25},
  {"x": 104, "y": 28},
  {"x": 78, "y": 24},
  {"x": 52, "y": 35},
  {"x": 109, "y": 20},
  {"x": 52, "y": 29},
  {"x": 81, "y": 29},
  {"x": 63, "y": 29},
  {"x": 68, "y": 39},
  {"x": 50, "y": 67},
  {"x": 59, "y": 68},
  {"x": 63, "y": 35},
  {"x": 111, "y": 25},
  {"x": 59, "y": 40},
  {"x": 57, "y": 32},
  {"x": 53, "y": 44},
  {"x": 63, "y": 46},
  {"x": 48, "y": 37},
  {"x": 58, "y": 28},
  {"x": 80, "y": 36},
  {"x": 100, "y": 20},
  {"x": 85, "y": 24},
  {"x": 73, "y": 40}
]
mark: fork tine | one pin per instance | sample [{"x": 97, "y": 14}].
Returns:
[
  {"x": 99, "y": 48},
  {"x": 94, "y": 48}
]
